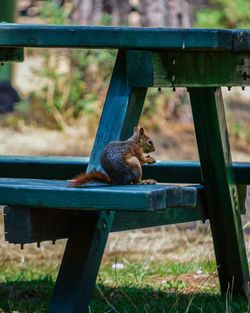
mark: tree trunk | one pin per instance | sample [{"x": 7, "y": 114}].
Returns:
[
  {"x": 87, "y": 12},
  {"x": 148, "y": 13},
  {"x": 165, "y": 13},
  {"x": 91, "y": 12}
]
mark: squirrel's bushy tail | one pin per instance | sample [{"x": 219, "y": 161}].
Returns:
[{"x": 92, "y": 176}]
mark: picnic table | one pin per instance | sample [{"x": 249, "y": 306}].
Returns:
[{"x": 40, "y": 205}]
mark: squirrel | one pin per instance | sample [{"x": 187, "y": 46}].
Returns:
[{"x": 122, "y": 161}]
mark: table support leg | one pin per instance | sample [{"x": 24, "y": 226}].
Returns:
[
  {"x": 81, "y": 261},
  {"x": 221, "y": 192}
]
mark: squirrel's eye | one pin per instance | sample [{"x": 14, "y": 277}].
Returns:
[{"x": 150, "y": 142}]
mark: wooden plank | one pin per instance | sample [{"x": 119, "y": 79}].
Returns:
[
  {"x": 241, "y": 40},
  {"x": 221, "y": 196},
  {"x": 42, "y": 167},
  {"x": 124, "y": 221},
  {"x": 58, "y": 194},
  {"x": 85, "y": 246},
  {"x": 11, "y": 55},
  {"x": 28, "y": 225},
  {"x": 24, "y": 225},
  {"x": 187, "y": 69},
  {"x": 26, "y": 35},
  {"x": 186, "y": 172},
  {"x": 80, "y": 264}
]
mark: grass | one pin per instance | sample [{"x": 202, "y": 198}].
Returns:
[{"x": 136, "y": 287}]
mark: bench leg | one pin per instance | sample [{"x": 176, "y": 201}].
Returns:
[
  {"x": 221, "y": 192},
  {"x": 81, "y": 261},
  {"x": 84, "y": 250}
]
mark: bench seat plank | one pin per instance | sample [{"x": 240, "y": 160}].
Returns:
[
  {"x": 58, "y": 194},
  {"x": 31, "y": 35}
]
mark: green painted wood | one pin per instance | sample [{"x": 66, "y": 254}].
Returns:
[
  {"x": 8, "y": 11},
  {"x": 242, "y": 195},
  {"x": 11, "y": 55},
  {"x": 7, "y": 14},
  {"x": 25, "y": 35},
  {"x": 170, "y": 216},
  {"x": 42, "y": 167},
  {"x": 187, "y": 68},
  {"x": 23, "y": 225},
  {"x": 28, "y": 225},
  {"x": 58, "y": 194},
  {"x": 85, "y": 246},
  {"x": 81, "y": 261},
  {"x": 186, "y": 172},
  {"x": 241, "y": 40},
  {"x": 124, "y": 221},
  {"x": 222, "y": 198}
]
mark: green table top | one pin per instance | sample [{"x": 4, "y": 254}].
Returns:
[{"x": 38, "y": 35}]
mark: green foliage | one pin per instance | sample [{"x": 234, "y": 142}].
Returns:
[
  {"x": 74, "y": 90},
  {"x": 224, "y": 14},
  {"x": 73, "y": 81},
  {"x": 51, "y": 13},
  {"x": 73, "y": 84}
]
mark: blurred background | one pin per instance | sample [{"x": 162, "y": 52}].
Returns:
[
  {"x": 51, "y": 103},
  {"x": 61, "y": 92}
]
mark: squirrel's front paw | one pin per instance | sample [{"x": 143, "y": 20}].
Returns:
[
  {"x": 148, "y": 182},
  {"x": 151, "y": 160}
]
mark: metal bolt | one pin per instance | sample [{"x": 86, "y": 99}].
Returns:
[
  {"x": 159, "y": 89},
  {"x": 229, "y": 88},
  {"x": 243, "y": 88}
]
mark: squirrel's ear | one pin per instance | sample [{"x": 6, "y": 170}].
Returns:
[{"x": 141, "y": 132}]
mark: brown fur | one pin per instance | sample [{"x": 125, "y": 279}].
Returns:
[
  {"x": 92, "y": 176},
  {"x": 131, "y": 151}
]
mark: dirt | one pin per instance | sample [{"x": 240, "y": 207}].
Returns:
[{"x": 39, "y": 141}]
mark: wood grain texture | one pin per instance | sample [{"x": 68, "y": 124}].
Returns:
[
  {"x": 187, "y": 68},
  {"x": 26, "y": 225},
  {"x": 221, "y": 192},
  {"x": 58, "y": 194},
  {"x": 20, "y": 35},
  {"x": 241, "y": 40}
]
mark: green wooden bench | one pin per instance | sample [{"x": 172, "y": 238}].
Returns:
[{"x": 39, "y": 204}]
